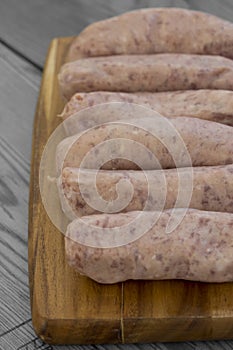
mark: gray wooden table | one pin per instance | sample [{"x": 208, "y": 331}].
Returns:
[{"x": 26, "y": 28}]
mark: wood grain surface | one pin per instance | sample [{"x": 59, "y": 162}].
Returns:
[
  {"x": 68, "y": 307},
  {"x": 26, "y": 28}
]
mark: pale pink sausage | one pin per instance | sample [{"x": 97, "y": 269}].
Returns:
[
  {"x": 208, "y": 143},
  {"x": 199, "y": 249},
  {"x": 213, "y": 105},
  {"x": 156, "y": 30},
  {"x": 212, "y": 189},
  {"x": 152, "y": 73}
]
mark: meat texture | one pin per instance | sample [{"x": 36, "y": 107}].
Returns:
[
  {"x": 207, "y": 143},
  {"x": 213, "y": 105},
  {"x": 152, "y": 73},
  {"x": 199, "y": 249},
  {"x": 157, "y": 30},
  {"x": 211, "y": 188}
]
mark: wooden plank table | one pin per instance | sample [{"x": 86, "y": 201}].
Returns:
[{"x": 26, "y": 28}]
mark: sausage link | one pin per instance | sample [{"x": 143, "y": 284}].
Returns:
[
  {"x": 152, "y": 73},
  {"x": 199, "y": 249},
  {"x": 213, "y": 105},
  {"x": 157, "y": 30},
  {"x": 212, "y": 189},
  {"x": 208, "y": 143}
]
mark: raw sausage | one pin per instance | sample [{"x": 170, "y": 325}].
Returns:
[
  {"x": 157, "y": 30},
  {"x": 200, "y": 248},
  {"x": 208, "y": 143},
  {"x": 212, "y": 189},
  {"x": 152, "y": 73},
  {"x": 213, "y": 105}
]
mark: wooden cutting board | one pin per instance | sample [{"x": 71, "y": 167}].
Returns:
[{"x": 71, "y": 309}]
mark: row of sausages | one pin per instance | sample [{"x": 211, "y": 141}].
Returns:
[{"x": 177, "y": 63}]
